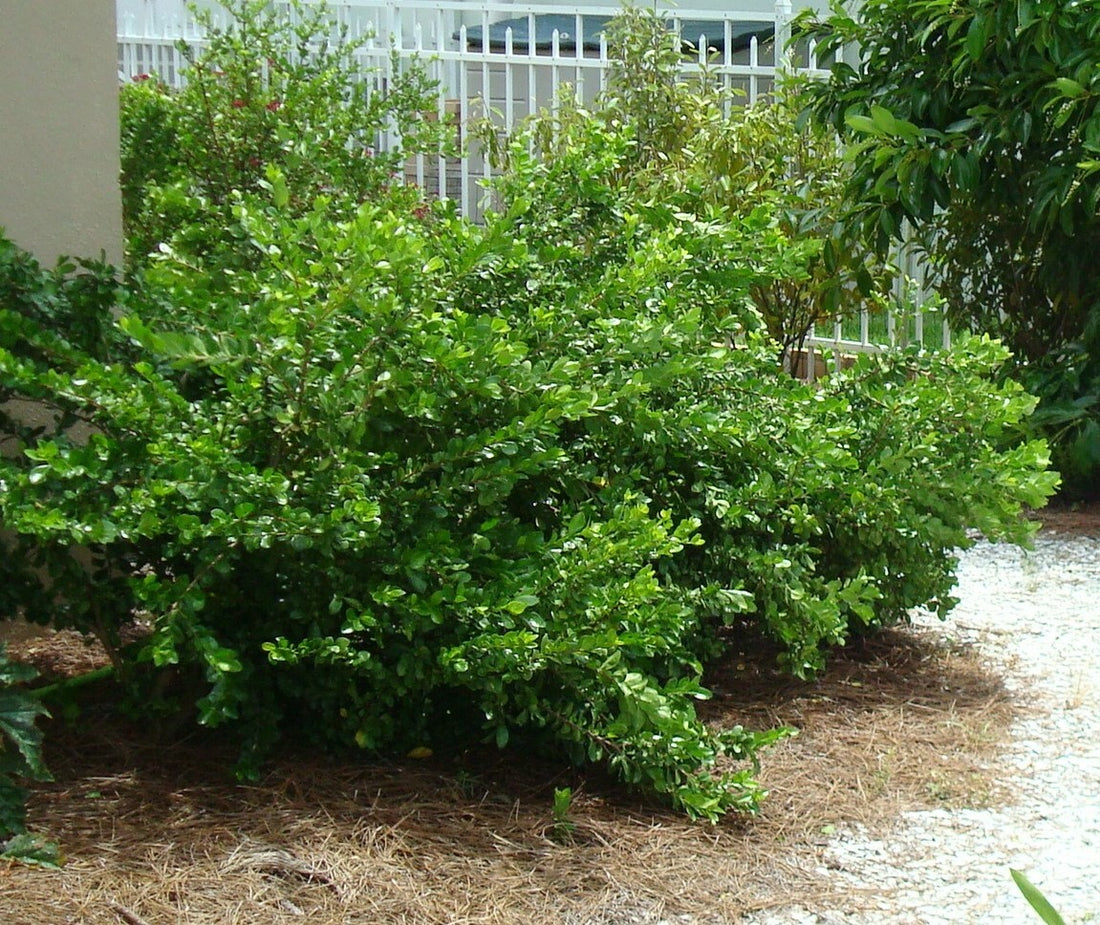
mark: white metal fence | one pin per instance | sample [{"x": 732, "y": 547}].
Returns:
[{"x": 505, "y": 60}]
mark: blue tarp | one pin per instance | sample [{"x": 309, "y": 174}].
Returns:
[{"x": 545, "y": 24}]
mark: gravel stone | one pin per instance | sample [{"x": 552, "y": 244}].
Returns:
[{"x": 1035, "y": 616}]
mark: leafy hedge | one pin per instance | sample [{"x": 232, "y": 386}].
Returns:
[
  {"x": 411, "y": 481},
  {"x": 379, "y": 477},
  {"x": 272, "y": 87}
]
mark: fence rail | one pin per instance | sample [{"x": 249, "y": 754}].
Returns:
[{"x": 507, "y": 61}]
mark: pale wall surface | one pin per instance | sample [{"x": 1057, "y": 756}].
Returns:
[{"x": 59, "y": 165}]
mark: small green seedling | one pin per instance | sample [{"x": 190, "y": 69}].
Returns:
[{"x": 564, "y": 826}]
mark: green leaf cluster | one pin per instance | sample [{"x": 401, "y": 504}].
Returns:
[
  {"x": 20, "y": 759},
  {"x": 693, "y": 135}
]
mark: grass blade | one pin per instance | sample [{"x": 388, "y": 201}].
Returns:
[{"x": 1038, "y": 901}]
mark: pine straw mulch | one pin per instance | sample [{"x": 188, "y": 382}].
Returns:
[{"x": 154, "y": 833}]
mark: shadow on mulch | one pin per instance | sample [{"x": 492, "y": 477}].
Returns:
[
  {"x": 155, "y": 832},
  {"x": 1079, "y": 518}
]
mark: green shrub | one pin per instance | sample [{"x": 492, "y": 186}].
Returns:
[
  {"x": 406, "y": 481},
  {"x": 51, "y": 323},
  {"x": 274, "y": 87},
  {"x": 1067, "y": 383},
  {"x": 74, "y": 299},
  {"x": 890, "y": 436},
  {"x": 382, "y": 478},
  {"x": 692, "y": 138},
  {"x": 350, "y": 493},
  {"x": 996, "y": 171}
]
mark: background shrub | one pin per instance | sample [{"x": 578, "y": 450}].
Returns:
[
  {"x": 272, "y": 88},
  {"x": 705, "y": 142}
]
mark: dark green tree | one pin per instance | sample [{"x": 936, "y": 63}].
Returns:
[{"x": 976, "y": 124}]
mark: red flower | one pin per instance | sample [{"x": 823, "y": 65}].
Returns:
[
  {"x": 238, "y": 104},
  {"x": 273, "y": 106},
  {"x": 421, "y": 211},
  {"x": 137, "y": 78}
]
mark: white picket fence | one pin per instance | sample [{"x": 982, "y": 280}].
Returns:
[{"x": 505, "y": 60}]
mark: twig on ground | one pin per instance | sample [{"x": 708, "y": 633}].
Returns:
[{"x": 126, "y": 915}]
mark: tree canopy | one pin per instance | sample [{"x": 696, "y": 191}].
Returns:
[{"x": 976, "y": 126}]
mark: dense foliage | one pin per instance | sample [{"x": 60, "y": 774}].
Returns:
[
  {"x": 20, "y": 754},
  {"x": 379, "y": 477},
  {"x": 693, "y": 135},
  {"x": 978, "y": 125},
  {"x": 268, "y": 89},
  {"x": 430, "y": 482}
]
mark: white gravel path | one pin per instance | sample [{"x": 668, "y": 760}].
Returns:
[{"x": 1036, "y": 616}]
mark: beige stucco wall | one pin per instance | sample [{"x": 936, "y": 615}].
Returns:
[{"x": 59, "y": 128}]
